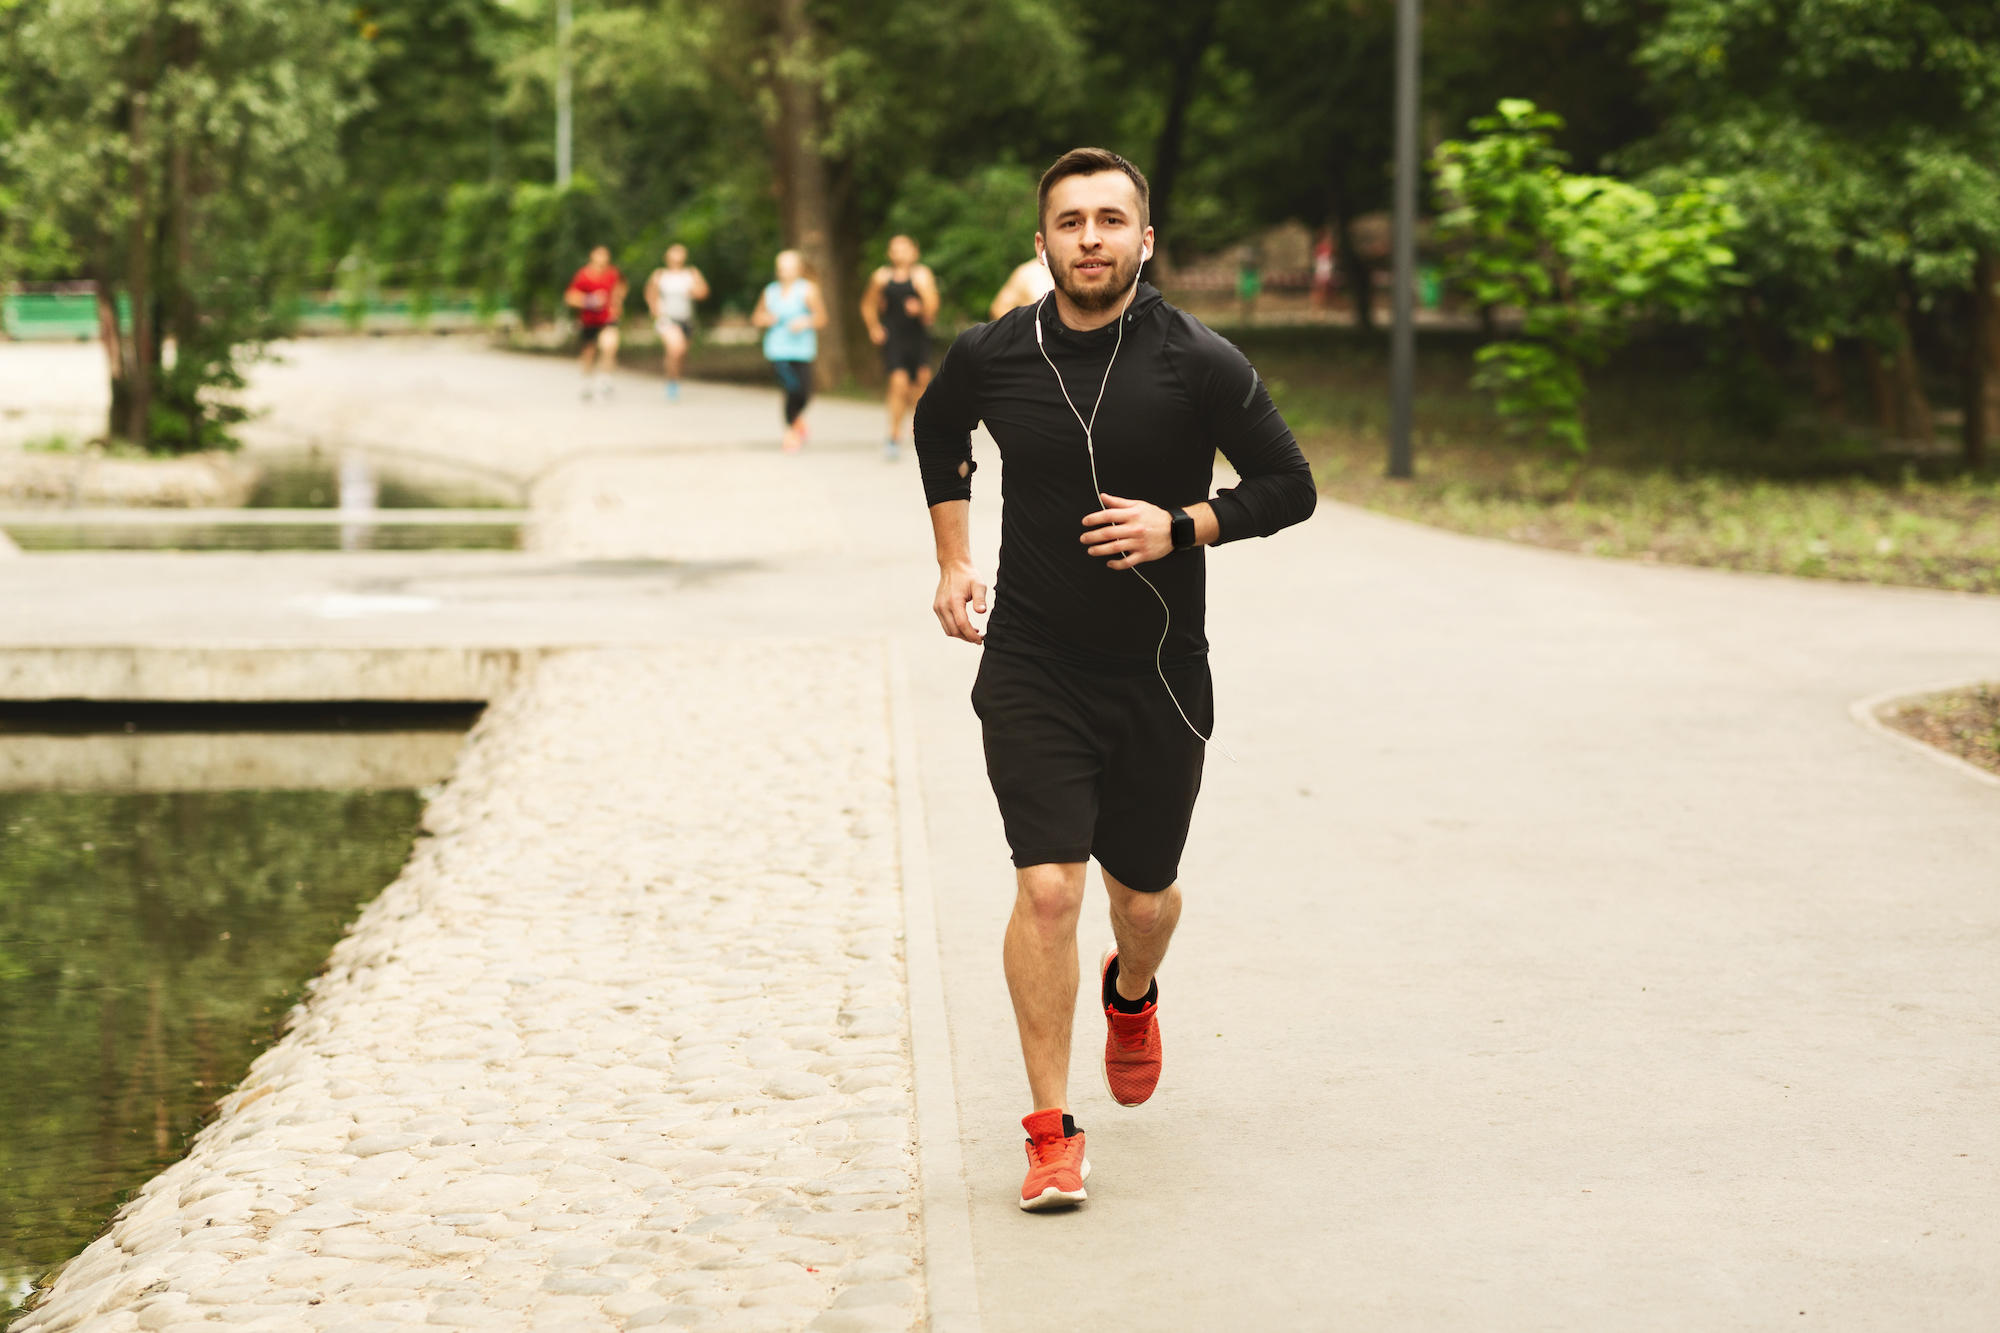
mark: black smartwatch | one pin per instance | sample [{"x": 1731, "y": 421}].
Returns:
[{"x": 1183, "y": 528}]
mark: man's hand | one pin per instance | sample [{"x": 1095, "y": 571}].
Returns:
[
  {"x": 957, "y": 586},
  {"x": 1128, "y": 532},
  {"x": 877, "y": 334}
]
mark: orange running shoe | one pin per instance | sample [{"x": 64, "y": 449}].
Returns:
[
  {"x": 1056, "y": 1164},
  {"x": 1131, "y": 1041}
]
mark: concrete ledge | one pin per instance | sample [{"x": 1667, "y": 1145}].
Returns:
[
  {"x": 259, "y": 673},
  {"x": 229, "y": 761}
]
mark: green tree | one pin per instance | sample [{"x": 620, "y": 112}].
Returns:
[
  {"x": 1861, "y": 143},
  {"x": 1584, "y": 259},
  {"x": 178, "y": 145}
]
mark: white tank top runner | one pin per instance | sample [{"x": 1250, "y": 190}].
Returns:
[{"x": 676, "y": 288}]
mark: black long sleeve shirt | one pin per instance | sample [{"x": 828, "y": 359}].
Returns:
[{"x": 1177, "y": 393}]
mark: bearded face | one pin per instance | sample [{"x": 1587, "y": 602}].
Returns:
[
  {"x": 1094, "y": 235},
  {"x": 1096, "y": 282}
]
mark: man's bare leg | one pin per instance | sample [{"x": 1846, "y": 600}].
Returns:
[
  {"x": 1143, "y": 924},
  {"x": 897, "y": 401},
  {"x": 1040, "y": 955}
]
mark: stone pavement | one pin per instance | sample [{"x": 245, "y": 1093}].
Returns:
[
  {"x": 1560, "y": 954},
  {"x": 626, "y": 1044},
  {"x": 622, "y": 1048}
]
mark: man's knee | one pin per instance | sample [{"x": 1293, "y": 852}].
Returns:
[
  {"x": 1051, "y": 895},
  {"x": 1143, "y": 912}
]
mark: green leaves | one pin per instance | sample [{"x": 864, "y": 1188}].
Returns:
[
  {"x": 174, "y": 146},
  {"x": 1581, "y": 261}
]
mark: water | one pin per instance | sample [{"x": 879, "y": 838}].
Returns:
[
  {"x": 151, "y": 942},
  {"x": 350, "y": 483},
  {"x": 319, "y": 481},
  {"x": 87, "y": 536}
]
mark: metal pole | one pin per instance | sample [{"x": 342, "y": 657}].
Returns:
[
  {"x": 563, "y": 116},
  {"x": 1403, "y": 337}
]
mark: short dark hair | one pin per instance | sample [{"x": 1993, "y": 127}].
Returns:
[{"x": 1089, "y": 162}]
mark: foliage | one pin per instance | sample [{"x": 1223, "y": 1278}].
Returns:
[
  {"x": 550, "y": 230},
  {"x": 973, "y": 231},
  {"x": 1584, "y": 259},
  {"x": 1859, "y": 143},
  {"x": 1851, "y": 518},
  {"x": 177, "y": 145}
]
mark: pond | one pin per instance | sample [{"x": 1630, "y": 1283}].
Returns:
[
  {"x": 153, "y": 936},
  {"x": 302, "y": 502},
  {"x": 223, "y": 535}
]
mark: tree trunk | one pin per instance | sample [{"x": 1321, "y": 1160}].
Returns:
[
  {"x": 805, "y": 201},
  {"x": 117, "y": 358},
  {"x": 1913, "y": 404},
  {"x": 1902, "y": 411},
  {"x": 1183, "y": 76},
  {"x": 139, "y": 282},
  {"x": 1883, "y": 394},
  {"x": 1982, "y": 381},
  {"x": 1827, "y": 390},
  {"x": 844, "y": 297}
]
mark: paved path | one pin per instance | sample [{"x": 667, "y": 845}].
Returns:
[{"x": 1560, "y": 954}]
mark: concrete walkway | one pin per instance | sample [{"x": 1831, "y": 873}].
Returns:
[{"x": 1560, "y": 954}]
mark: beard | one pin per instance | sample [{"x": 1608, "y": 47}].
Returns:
[{"x": 1124, "y": 272}]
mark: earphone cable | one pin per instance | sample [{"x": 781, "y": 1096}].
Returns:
[{"x": 1097, "y": 489}]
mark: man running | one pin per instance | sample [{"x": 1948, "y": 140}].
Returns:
[
  {"x": 1027, "y": 284},
  {"x": 597, "y": 294},
  {"x": 1093, "y": 692},
  {"x": 899, "y": 307},
  {"x": 671, "y": 292}
]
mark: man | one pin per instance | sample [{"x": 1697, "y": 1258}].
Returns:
[
  {"x": 597, "y": 294},
  {"x": 1093, "y": 690},
  {"x": 1027, "y": 284},
  {"x": 899, "y": 307}
]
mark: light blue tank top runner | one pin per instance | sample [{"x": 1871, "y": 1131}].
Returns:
[{"x": 780, "y": 342}]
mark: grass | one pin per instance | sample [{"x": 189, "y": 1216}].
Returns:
[
  {"x": 1676, "y": 475},
  {"x": 1964, "y": 722}
]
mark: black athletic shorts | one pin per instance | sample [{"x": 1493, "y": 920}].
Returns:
[
  {"x": 1090, "y": 765},
  {"x": 590, "y": 332},
  {"x": 908, "y": 354}
]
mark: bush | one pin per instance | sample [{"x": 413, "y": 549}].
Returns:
[{"x": 973, "y": 233}]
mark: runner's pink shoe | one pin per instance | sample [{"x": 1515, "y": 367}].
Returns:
[
  {"x": 1056, "y": 1164},
  {"x": 1131, "y": 1041}
]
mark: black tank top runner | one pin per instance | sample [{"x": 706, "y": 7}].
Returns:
[{"x": 896, "y": 317}]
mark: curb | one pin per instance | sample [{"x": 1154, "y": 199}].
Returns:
[
  {"x": 1865, "y": 711},
  {"x": 950, "y": 1285}
]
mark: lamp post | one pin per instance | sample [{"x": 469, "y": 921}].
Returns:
[
  {"x": 1403, "y": 336},
  {"x": 563, "y": 116}
]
